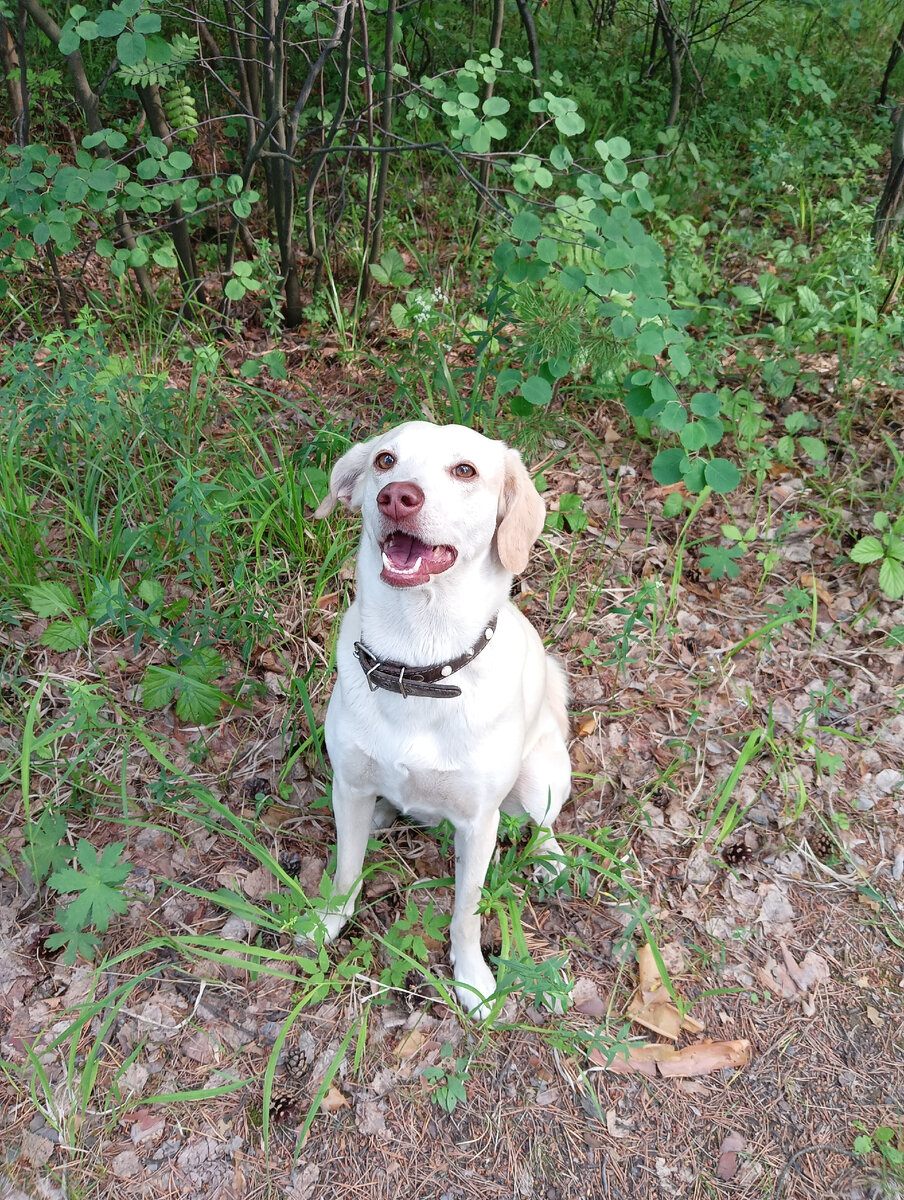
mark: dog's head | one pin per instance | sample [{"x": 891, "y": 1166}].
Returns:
[{"x": 433, "y": 496}]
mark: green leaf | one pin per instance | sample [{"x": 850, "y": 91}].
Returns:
[
  {"x": 504, "y": 255},
  {"x": 480, "y": 140},
  {"x": 721, "y": 475},
  {"x": 619, "y": 147},
  {"x": 721, "y": 560},
  {"x": 812, "y": 446},
  {"x": 705, "y": 404},
  {"x": 713, "y": 429},
  {"x": 159, "y": 686},
  {"x": 180, "y": 161},
  {"x": 560, "y": 157},
  {"x": 77, "y": 943},
  {"x": 868, "y": 550},
  {"x": 43, "y": 852},
  {"x": 863, "y": 1144},
  {"x": 651, "y": 340},
  {"x": 526, "y": 226},
  {"x": 205, "y": 663},
  {"x": 692, "y": 437},
  {"x": 495, "y": 106},
  {"x": 507, "y": 381},
  {"x": 66, "y": 635},
  {"x": 673, "y": 417},
  {"x": 666, "y": 466},
  {"x": 615, "y": 171},
  {"x": 50, "y": 599},
  {"x": 97, "y": 883},
  {"x": 692, "y": 472},
  {"x": 151, "y": 592},
  {"x": 130, "y": 48},
  {"x": 638, "y": 400},
  {"x": 679, "y": 360},
  {"x": 199, "y": 702},
  {"x": 572, "y": 279},
  {"x": 891, "y": 578},
  {"x": 547, "y": 249},
  {"x": 111, "y": 22},
  {"x": 673, "y": 505},
  {"x": 536, "y": 390},
  {"x": 570, "y": 124}
]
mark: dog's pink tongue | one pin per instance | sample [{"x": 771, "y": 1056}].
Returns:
[{"x": 402, "y": 549}]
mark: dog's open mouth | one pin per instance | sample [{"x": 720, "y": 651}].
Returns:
[{"x": 408, "y": 562}]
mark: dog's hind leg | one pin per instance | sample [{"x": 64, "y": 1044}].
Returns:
[{"x": 543, "y": 786}]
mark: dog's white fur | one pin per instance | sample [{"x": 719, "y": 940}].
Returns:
[{"x": 502, "y": 743}]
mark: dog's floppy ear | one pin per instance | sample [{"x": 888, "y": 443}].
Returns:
[
  {"x": 521, "y": 512},
  {"x": 344, "y": 479}
]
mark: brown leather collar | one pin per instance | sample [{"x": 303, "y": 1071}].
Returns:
[{"x": 418, "y": 681}]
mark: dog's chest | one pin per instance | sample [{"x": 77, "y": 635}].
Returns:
[{"x": 430, "y": 765}]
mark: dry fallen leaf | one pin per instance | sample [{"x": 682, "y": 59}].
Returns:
[
  {"x": 618, "y": 1127},
  {"x": 333, "y": 1101},
  {"x": 652, "y": 1005},
  {"x": 702, "y": 1058},
  {"x": 410, "y": 1044},
  {"x": 727, "y": 1166},
  {"x": 811, "y": 584},
  {"x": 584, "y": 726}
]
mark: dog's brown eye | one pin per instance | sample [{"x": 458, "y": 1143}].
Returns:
[
  {"x": 464, "y": 471},
  {"x": 384, "y": 461}
]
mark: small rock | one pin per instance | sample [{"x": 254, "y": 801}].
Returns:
[
  {"x": 126, "y": 1165},
  {"x": 889, "y": 779}
]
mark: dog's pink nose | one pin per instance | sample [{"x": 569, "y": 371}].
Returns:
[{"x": 399, "y": 500}]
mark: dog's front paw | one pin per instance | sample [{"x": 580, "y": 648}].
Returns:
[
  {"x": 475, "y": 984},
  {"x": 317, "y": 927},
  {"x": 551, "y": 866}
]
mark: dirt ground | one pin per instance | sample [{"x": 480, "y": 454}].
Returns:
[{"x": 775, "y": 898}]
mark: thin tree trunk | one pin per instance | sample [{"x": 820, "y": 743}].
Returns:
[
  {"x": 897, "y": 49},
  {"x": 893, "y": 192},
  {"x": 88, "y": 103},
  {"x": 192, "y": 290},
  {"x": 533, "y": 45},
  {"x": 671, "y": 45},
  {"x": 386, "y": 120},
  {"x": 16, "y": 90}
]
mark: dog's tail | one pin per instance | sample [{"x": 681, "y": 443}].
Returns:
[{"x": 557, "y": 693}]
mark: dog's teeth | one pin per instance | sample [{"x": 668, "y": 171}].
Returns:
[{"x": 390, "y": 566}]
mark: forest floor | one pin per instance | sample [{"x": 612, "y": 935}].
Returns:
[{"x": 742, "y": 749}]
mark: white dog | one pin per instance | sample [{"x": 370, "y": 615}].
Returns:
[{"x": 446, "y": 704}]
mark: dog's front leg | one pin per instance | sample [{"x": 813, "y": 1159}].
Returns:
[
  {"x": 474, "y": 844},
  {"x": 353, "y": 810}
]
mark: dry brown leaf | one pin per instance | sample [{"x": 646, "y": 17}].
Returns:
[
  {"x": 410, "y": 1044},
  {"x": 333, "y": 1101},
  {"x": 618, "y": 1127},
  {"x": 727, "y": 1166},
  {"x": 584, "y": 726},
  {"x": 586, "y": 999},
  {"x": 663, "y": 1019},
  {"x": 705, "y": 1058},
  {"x": 652, "y": 1006},
  {"x": 811, "y": 584},
  {"x": 259, "y": 883},
  {"x": 275, "y": 815},
  {"x": 702, "y": 1058}
]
